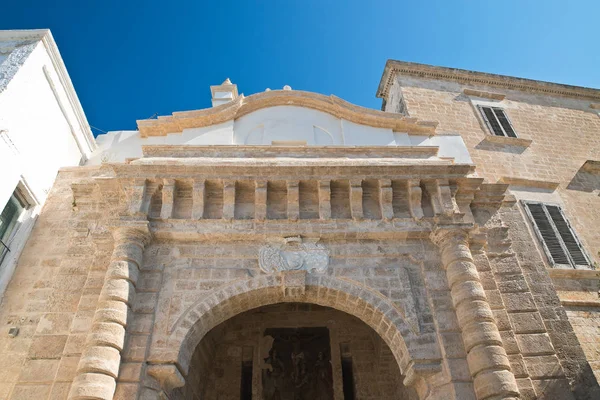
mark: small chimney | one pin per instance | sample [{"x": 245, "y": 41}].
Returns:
[{"x": 223, "y": 93}]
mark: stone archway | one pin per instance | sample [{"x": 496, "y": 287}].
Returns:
[{"x": 418, "y": 355}]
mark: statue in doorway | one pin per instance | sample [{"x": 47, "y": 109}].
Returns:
[
  {"x": 273, "y": 376},
  {"x": 324, "y": 378}
]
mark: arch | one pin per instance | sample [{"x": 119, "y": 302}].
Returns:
[{"x": 417, "y": 355}]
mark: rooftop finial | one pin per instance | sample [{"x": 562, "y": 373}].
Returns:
[{"x": 223, "y": 93}]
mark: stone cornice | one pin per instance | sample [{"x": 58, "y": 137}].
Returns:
[
  {"x": 574, "y": 273},
  {"x": 241, "y": 106},
  {"x": 393, "y": 68},
  {"x": 591, "y": 167},
  {"x": 321, "y": 169},
  {"x": 530, "y": 183},
  {"x": 297, "y": 152}
]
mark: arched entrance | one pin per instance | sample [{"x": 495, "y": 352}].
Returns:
[
  {"x": 293, "y": 351},
  {"x": 416, "y": 353}
]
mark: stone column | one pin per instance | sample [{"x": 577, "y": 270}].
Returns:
[
  {"x": 486, "y": 357},
  {"x": 101, "y": 356}
]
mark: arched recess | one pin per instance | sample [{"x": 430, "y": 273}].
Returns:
[{"x": 418, "y": 355}]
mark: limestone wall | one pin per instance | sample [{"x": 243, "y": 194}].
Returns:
[
  {"x": 564, "y": 133},
  {"x": 196, "y": 274}
]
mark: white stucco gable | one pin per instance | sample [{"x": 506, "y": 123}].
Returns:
[{"x": 278, "y": 117}]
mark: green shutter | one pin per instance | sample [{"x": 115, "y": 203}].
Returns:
[{"x": 7, "y": 217}]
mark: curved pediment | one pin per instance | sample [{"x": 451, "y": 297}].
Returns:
[{"x": 241, "y": 106}]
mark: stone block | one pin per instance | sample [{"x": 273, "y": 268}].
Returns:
[
  {"x": 544, "y": 367},
  {"x": 29, "y": 392},
  {"x": 130, "y": 372},
  {"x": 67, "y": 369},
  {"x": 517, "y": 366},
  {"x": 530, "y": 322},
  {"x": 535, "y": 344},
  {"x": 526, "y": 388},
  {"x": 453, "y": 345},
  {"x": 126, "y": 391},
  {"x": 60, "y": 391},
  {"x": 519, "y": 302},
  {"x": 54, "y": 324},
  {"x": 549, "y": 389},
  {"x": 47, "y": 346},
  {"x": 74, "y": 345},
  {"x": 39, "y": 371}
]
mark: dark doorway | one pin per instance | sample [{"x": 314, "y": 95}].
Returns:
[
  {"x": 299, "y": 365},
  {"x": 246, "y": 386}
]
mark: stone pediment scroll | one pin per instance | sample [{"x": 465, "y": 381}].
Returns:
[{"x": 293, "y": 254}]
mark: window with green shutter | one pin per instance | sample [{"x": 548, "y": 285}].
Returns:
[
  {"x": 497, "y": 121},
  {"x": 556, "y": 235},
  {"x": 10, "y": 215}
]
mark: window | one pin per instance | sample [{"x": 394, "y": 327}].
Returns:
[
  {"x": 497, "y": 121},
  {"x": 558, "y": 238},
  {"x": 8, "y": 220}
]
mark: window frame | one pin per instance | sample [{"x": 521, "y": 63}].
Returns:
[
  {"x": 26, "y": 204},
  {"x": 480, "y": 107},
  {"x": 541, "y": 240}
]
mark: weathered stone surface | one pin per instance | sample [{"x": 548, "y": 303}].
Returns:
[{"x": 155, "y": 284}]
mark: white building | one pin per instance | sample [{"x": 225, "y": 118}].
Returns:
[{"x": 42, "y": 128}]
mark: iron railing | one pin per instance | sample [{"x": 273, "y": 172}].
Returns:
[{"x": 3, "y": 251}]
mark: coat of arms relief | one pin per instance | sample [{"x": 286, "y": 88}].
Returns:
[{"x": 293, "y": 254}]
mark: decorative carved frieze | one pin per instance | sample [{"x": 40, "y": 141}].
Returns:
[{"x": 293, "y": 254}]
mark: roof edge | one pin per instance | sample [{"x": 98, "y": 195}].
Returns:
[
  {"x": 177, "y": 122},
  {"x": 394, "y": 67},
  {"x": 65, "y": 80}
]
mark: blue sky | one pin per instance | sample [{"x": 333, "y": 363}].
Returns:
[{"x": 131, "y": 59}]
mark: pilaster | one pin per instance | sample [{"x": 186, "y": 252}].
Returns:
[
  {"x": 101, "y": 356},
  {"x": 486, "y": 356}
]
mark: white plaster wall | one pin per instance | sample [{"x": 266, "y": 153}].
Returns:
[
  {"x": 288, "y": 123},
  {"x": 279, "y": 123},
  {"x": 38, "y": 138}
]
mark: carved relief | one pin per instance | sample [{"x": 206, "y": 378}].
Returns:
[{"x": 292, "y": 254}]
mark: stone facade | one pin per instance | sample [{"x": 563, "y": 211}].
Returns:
[
  {"x": 173, "y": 276},
  {"x": 553, "y": 159}
]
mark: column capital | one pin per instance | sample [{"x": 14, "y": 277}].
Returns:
[
  {"x": 168, "y": 376},
  {"x": 441, "y": 236},
  {"x": 131, "y": 231}
]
